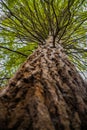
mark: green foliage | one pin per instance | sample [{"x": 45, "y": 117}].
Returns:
[{"x": 27, "y": 23}]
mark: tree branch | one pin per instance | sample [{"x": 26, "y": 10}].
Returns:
[{"x": 13, "y": 51}]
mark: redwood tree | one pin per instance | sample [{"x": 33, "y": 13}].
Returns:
[{"x": 47, "y": 92}]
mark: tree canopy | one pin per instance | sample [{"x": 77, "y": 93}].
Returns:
[{"x": 25, "y": 24}]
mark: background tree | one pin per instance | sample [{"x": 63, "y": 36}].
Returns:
[{"x": 47, "y": 92}]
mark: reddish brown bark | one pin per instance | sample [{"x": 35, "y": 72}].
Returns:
[{"x": 47, "y": 93}]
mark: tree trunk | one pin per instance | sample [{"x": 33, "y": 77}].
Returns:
[{"x": 46, "y": 93}]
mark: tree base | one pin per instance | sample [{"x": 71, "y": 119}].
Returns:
[{"x": 47, "y": 93}]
